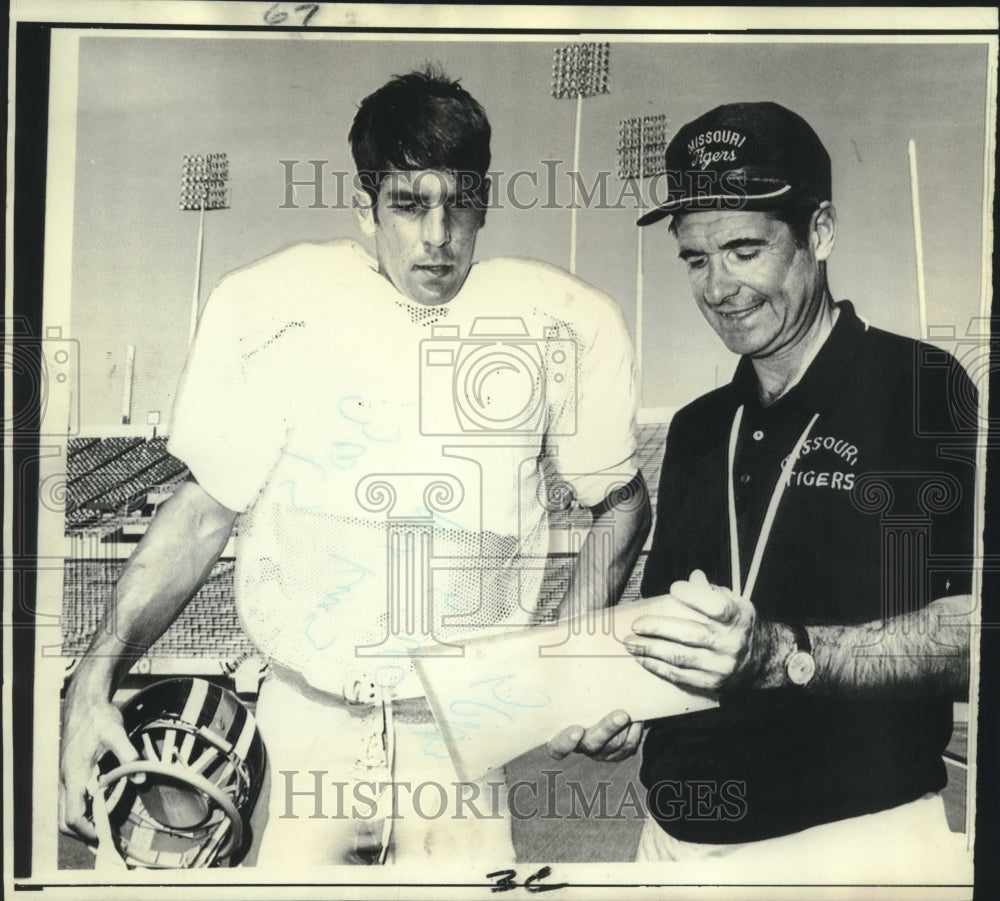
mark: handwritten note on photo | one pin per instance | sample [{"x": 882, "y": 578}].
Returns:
[{"x": 503, "y": 695}]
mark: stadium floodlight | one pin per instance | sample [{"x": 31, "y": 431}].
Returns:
[
  {"x": 642, "y": 145},
  {"x": 204, "y": 187},
  {"x": 579, "y": 71},
  {"x": 204, "y": 183},
  {"x": 642, "y": 148}
]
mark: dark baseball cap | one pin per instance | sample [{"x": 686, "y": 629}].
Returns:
[{"x": 743, "y": 156}]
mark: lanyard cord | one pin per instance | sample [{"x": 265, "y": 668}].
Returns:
[{"x": 745, "y": 591}]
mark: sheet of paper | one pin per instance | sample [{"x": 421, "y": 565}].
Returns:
[{"x": 497, "y": 697}]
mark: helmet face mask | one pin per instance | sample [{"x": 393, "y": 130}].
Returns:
[{"x": 203, "y": 759}]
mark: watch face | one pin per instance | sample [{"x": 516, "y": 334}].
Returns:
[{"x": 800, "y": 667}]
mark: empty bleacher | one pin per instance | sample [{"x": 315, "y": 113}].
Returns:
[
  {"x": 207, "y": 627},
  {"x": 111, "y": 475},
  {"x": 95, "y": 454},
  {"x": 77, "y": 445}
]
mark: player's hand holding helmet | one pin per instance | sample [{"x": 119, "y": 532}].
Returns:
[
  {"x": 90, "y": 728},
  {"x": 184, "y": 798}
]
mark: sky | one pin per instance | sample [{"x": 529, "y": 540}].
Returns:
[{"x": 143, "y": 100}]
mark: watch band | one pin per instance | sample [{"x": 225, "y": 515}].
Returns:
[{"x": 801, "y": 637}]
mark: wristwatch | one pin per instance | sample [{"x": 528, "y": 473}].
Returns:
[{"x": 800, "y": 665}]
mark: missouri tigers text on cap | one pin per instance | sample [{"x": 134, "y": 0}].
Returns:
[{"x": 743, "y": 156}]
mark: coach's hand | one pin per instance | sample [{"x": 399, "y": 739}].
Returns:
[
  {"x": 709, "y": 649},
  {"x": 613, "y": 738},
  {"x": 89, "y": 730}
]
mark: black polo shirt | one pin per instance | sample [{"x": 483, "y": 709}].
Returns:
[{"x": 876, "y": 520}]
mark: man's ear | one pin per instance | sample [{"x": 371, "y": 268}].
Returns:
[
  {"x": 824, "y": 230},
  {"x": 364, "y": 210}
]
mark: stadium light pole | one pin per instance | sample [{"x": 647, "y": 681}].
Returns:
[
  {"x": 918, "y": 241},
  {"x": 642, "y": 145},
  {"x": 578, "y": 71},
  {"x": 204, "y": 187}
]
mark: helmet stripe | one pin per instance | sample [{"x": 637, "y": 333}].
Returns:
[
  {"x": 236, "y": 725},
  {"x": 195, "y": 703},
  {"x": 245, "y": 738}
]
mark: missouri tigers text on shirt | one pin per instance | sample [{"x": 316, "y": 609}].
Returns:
[{"x": 823, "y": 446}]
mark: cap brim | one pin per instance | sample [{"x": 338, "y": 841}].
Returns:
[
  {"x": 654, "y": 216},
  {"x": 768, "y": 200}
]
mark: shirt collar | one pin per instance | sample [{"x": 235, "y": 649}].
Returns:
[{"x": 819, "y": 388}]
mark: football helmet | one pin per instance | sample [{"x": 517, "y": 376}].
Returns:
[{"x": 203, "y": 761}]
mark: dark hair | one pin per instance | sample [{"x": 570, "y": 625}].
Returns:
[
  {"x": 422, "y": 120},
  {"x": 798, "y": 217}
]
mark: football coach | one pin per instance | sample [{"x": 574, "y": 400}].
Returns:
[{"x": 814, "y": 522}]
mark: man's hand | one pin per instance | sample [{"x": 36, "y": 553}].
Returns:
[
  {"x": 612, "y": 739},
  {"x": 89, "y": 731},
  {"x": 708, "y": 651},
  {"x": 171, "y": 562}
]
